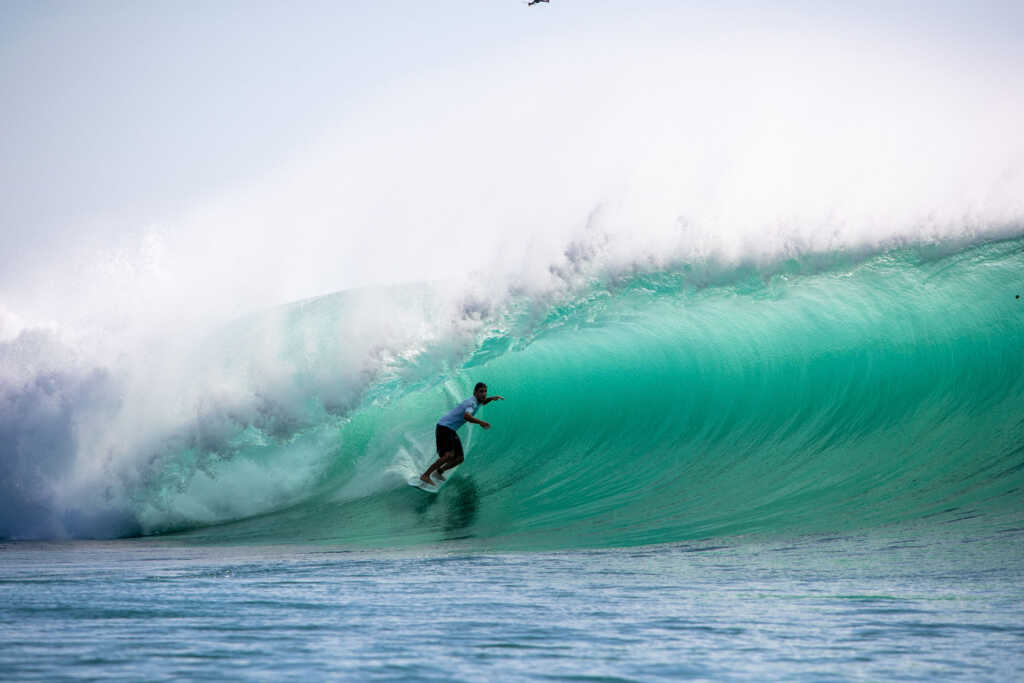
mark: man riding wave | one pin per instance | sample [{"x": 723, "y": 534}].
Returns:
[{"x": 449, "y": 447}]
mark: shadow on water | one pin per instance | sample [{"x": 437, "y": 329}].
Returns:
[
  {"x": 453, "y": 509},
  {"x": 462, "y": 502}
]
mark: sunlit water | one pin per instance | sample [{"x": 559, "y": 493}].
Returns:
[{"x": 889, "y": 605}]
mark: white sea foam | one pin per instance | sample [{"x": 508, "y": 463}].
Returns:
[{"x": 521, "y": 174}]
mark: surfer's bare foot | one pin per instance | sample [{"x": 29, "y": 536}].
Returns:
[{"x": 425, "y": 479}]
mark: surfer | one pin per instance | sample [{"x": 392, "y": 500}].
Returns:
[
  {"x": 449, "y": 448},
  {"x": 534, "y": 2}
]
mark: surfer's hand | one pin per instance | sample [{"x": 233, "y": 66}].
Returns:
[{"x": 485, "y": 425}]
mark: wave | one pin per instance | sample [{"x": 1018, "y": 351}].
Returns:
[{"x": 651, "y": 406}]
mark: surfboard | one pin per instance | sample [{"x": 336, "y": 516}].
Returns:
[{"x": 423, "y": 486}]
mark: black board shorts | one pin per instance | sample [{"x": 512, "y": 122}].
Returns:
[{"x": 448, "y": 440}]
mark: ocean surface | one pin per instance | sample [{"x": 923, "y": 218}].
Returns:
[
  {"x": 808, "y": 468},
  {"x": 944, "y": 600}
]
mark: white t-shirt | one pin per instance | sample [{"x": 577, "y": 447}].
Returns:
[{"x": 456, "y": 417}]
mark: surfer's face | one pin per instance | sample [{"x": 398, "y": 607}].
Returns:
[{"x": 480, "y": 394}]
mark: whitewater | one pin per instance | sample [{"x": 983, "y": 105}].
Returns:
[
  {"x": 750, "y": 284},
  {"x": 811, "y": 470},
  {"x": 840, "y": 391}
]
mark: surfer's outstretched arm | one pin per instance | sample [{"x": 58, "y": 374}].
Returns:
[{"x": 470, "y": 418}]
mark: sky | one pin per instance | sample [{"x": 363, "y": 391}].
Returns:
[{"x": 252, "y": 153}]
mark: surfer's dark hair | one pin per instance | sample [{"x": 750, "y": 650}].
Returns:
[{"x": 479, "y": 386}]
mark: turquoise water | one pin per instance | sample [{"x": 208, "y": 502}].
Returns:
[
  {"x": 804, "y": 469},
  {"x": 809, "y": 397}
]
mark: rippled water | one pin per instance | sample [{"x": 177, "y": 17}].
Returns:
[{"x": 881, "y": 606}]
